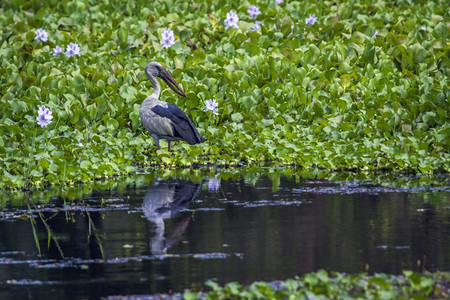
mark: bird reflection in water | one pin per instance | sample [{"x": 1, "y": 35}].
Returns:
[{"x": 166, "y": 199}]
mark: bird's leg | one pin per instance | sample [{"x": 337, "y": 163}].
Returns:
[
  {"x": 156, "y": 139},
  {"x": 168, "y": 143}
]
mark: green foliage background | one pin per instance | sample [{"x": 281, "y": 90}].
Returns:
[{"x": 329, "y": 95}]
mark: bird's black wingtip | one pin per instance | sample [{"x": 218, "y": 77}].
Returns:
[{"x": 197, "y": 140}]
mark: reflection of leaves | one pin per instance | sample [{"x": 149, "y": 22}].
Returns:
[
  {"x": 33, "y": 226},
  {"x": 92, "y": 233},
  {"x": 437, "y": 199},
  {"x": 50, "y": 235},
  {"x": 93, "y": 236}
]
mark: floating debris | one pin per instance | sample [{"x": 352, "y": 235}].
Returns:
[{"x": 211, "y": 256}]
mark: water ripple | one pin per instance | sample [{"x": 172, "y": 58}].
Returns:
[
  {"x": 82, "y": 263},
  {"x": 354, "y": 188}
]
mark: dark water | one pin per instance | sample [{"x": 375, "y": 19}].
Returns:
[{"x": 151, "y": 235}]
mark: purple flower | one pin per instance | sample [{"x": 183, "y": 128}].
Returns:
[
  {"x": 312, "y": 19},
  {"x": 212, "y": 105},
  {"x": 256, "y": 26},
  {"x": 44, "y": 116},
  {"x": 278, "y": 2},
  {"x": 80, "y": 143},
  {"x": 375, "y": 33},
  {"x": 213, "y": 184},
  {"x": 231, "y": 20},
  {"x": 41, "y": 35},
  {"x": 253, "y": 11},
  {"x": 423, "y": 27},
  {"x": 167, "y": 38},
  {"x": 57, "y": 51},
  {"x": 72, "y": 49}
]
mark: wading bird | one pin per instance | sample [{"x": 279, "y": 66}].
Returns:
[
  {"x": 165, "y": 200},
  {"x": 166, "y": 120}
]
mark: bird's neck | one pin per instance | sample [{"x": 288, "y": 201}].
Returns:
[{"x": 156, "y": 86}]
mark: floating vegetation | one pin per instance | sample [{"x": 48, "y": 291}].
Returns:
[
  {"x": 324, "y": 285},
  {"x": 359, "y": 85}
]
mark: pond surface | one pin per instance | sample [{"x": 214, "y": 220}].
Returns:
[{"x": 152, "y": 235}]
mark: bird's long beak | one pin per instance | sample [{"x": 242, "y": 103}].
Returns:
[{"x": 167, "y": 77}]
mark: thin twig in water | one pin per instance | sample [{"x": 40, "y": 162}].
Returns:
[
  {"x": 50, "y": 235},
  {"x": 33, "y": 226},
  {"x": 92, "y": 233}
]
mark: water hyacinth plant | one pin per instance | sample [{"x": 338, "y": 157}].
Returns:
[
  {"x": 331, "y": 99},
  {"x": 212, "y": 105},
  {"x": 256, "y": 26},
  {"x": 232, "y": 20},
  {"x": 41, "y": 35},
  {"x": 167, "y": 38},
  {"x": 253, "y": 11},
  {"x": 44, "y": 117},
  {"x": 311, "y": 20},
  {"x": 324, "y": 285},
  {"x": 72, "y": 49},
  {"x": 57, "y": 51}
]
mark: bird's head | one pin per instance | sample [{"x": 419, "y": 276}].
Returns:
[{"x": 155, "y": 69}]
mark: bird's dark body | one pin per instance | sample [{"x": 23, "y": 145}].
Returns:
[
  {"x": 182, "y": 126},
  {"x": 165, "y": 120}
]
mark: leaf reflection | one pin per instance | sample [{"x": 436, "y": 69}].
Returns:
[
  {"x": 33, "y": 210},
  {"x": 50, "y": 235}
]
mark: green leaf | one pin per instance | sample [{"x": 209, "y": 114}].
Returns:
[
  {"x": 237, "y": 117},
  {"x": 314, "y": 50},
  {"x": 368, "y": 55},
  {"x": 419, "y": 53},
  {"x": 122, "y": 34},
  {"x": 85, "y": 165},
  {"x": 346, "y": 80},
  {"x": 229, "y": 48},
  {"x": 429, "y": 118}
]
